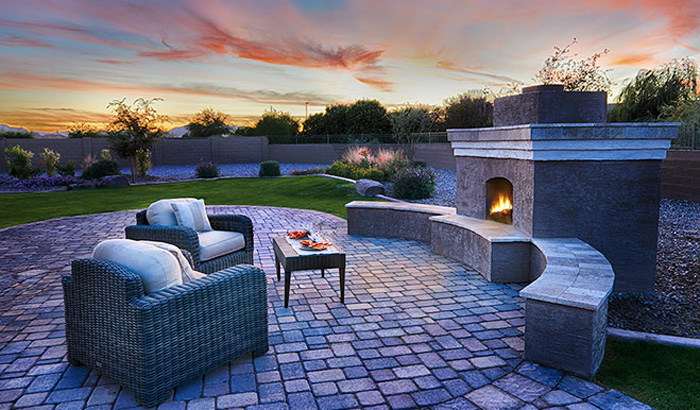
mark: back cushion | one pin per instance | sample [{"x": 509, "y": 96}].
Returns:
[
  {"x": 161, "y": 212},
  {"x": 157, "y": 268},
  {"x": 192, "y": 214}
]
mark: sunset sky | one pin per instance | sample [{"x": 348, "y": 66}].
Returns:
[{"x": 63, "y": 61}]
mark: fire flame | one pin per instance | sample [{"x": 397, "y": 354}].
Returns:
[{"x": 503, "y": 204}]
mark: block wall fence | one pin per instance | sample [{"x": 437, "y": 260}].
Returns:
[{"x": 681, "y": 169}]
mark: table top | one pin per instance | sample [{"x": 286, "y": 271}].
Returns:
[{"x": 280, "y": 242}]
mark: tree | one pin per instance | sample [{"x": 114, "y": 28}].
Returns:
[
  {"x": 466, "y": 111},
  {"x": 84, "y": 130},
  {"x": 134, "y": 129},
  {"x": 408, "y": 123},
  {"x": 367, "y": 117},
  {"x": 658, "y": 94},
  {"x": 581, "y": 75},
  {"x": 208, "y": 123},
  {"x": 275, "y": 122}
]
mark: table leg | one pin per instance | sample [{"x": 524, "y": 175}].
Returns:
[
  {"x": 287, "y": 283},
  {"x": 277, "y": 266},
  {"x": 323, "y": 273},
  {"x": 342, "y": 283}
]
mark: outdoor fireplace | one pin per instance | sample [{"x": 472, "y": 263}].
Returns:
[{"x": 499, "y": 200}]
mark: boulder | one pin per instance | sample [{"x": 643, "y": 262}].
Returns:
[
  {"x": 369, "y": 188},
  {"x": 113, "y": 181},
  {"x": 80, "y": 186}
]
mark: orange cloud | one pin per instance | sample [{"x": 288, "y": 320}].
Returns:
[
  {"x": 634, "y": 60},
  {"x": 53, "y": 119},
  {"x": 381, "y": 85}
]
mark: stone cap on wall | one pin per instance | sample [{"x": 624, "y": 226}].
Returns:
[
  {"x": 574, "y": 274},
  {"x": 563, "y": 142},
  {"x": 403, "y": 206}
]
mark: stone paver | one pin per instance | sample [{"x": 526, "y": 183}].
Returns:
[{"x": 417, "y": 331}]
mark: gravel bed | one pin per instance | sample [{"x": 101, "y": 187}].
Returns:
[{"x": 673, "y": 309}]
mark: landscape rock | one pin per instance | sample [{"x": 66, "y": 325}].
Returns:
[
  {"x": 113, "y": 181},
  {"x": 369, "y": 188},
  {"x": 80, "y": 186}
]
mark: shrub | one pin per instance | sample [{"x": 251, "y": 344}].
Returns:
[
  {"x": 100, "y": 169},
  {"x": 106, "y": 155},
  {"x": 43, "y": 182},
  {"x": 309, "y": 171},
  {"x": 207, "y": 170},
  {"x": 414, "y": 183},
  {"x": 19, "y": 162},
  {"x": 143, "y": 162},
  {"x": 50, "y": 161},
  {"x": 355, "y": 171},
  {"x": 67, "y": 169},
  {"x": 269, "y": 169}
]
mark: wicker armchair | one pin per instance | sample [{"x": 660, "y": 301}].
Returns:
[
  {"x": 152, "y": 343},
  {"x": 186, "y": 239}
]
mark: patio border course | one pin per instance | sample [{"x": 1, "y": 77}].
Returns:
[{"x": 567, "y": 302}]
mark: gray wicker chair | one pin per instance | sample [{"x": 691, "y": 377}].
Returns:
[
  {"x": 152, "y": 343},
  {"x": 186, "y": 239}
]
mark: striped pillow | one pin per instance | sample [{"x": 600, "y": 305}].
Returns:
[{"x": 192, "y": 214}]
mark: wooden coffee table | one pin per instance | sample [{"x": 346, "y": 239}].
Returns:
[{"x": 291, "y": 260}]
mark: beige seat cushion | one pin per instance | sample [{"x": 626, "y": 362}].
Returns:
[
  {"x": 213, "y": 244},
  {"x": 161, "y": 212},
  {"x": 157, "y": 268}
]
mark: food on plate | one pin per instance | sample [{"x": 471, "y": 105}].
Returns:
[
  {"x": 298, "y": 234},
  {"x": 319, "y": 246}
]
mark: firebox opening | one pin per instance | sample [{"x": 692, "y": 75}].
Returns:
[{"x": 499, "y": 200}]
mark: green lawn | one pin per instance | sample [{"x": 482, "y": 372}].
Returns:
[
  {"x": 317, "y": 193},
  {"x": 664, "y": 377}
]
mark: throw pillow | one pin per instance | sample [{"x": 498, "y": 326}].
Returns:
[{"x": 192, "y": 214}]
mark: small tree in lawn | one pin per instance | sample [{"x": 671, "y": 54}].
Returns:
[{"x": 134, "y": 129}]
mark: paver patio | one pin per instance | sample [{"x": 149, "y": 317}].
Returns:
[{"x": 418, "y": 330}]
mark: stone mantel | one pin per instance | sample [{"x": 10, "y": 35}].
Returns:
[{"x": 566, "y": 142}]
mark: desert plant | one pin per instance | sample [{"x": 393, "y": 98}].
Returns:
[
  {"x": 19, "y": 162},
  {"x": 101, "y": 168},
  {"x": 143, "y": 162},
  {"x": 88, "y": 160},
  {"x": 67, "y": 169},
  {"x": 269, "y": 169},
  {"x": 207, "y": 170},
  {"x": 414, "y": 183},
  {"x": 50, "y": 158},
  {"x": 134, "y": 128},
  {"x": 581, "y": 75}
]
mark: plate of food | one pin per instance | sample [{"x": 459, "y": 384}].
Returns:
[{"x": 311, "y": 245}]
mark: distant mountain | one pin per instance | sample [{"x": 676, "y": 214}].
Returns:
[{"x": 7, "y": 128}]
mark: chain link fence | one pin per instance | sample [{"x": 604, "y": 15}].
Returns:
[{"x": 688, "y": 137}]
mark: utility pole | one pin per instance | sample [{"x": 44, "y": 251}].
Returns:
[{"x": 307, "y": 110}]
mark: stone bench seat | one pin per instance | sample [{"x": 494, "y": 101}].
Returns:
[
  {"x": 393, "y": 219},
  {"x": 499, "y": 252}
]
